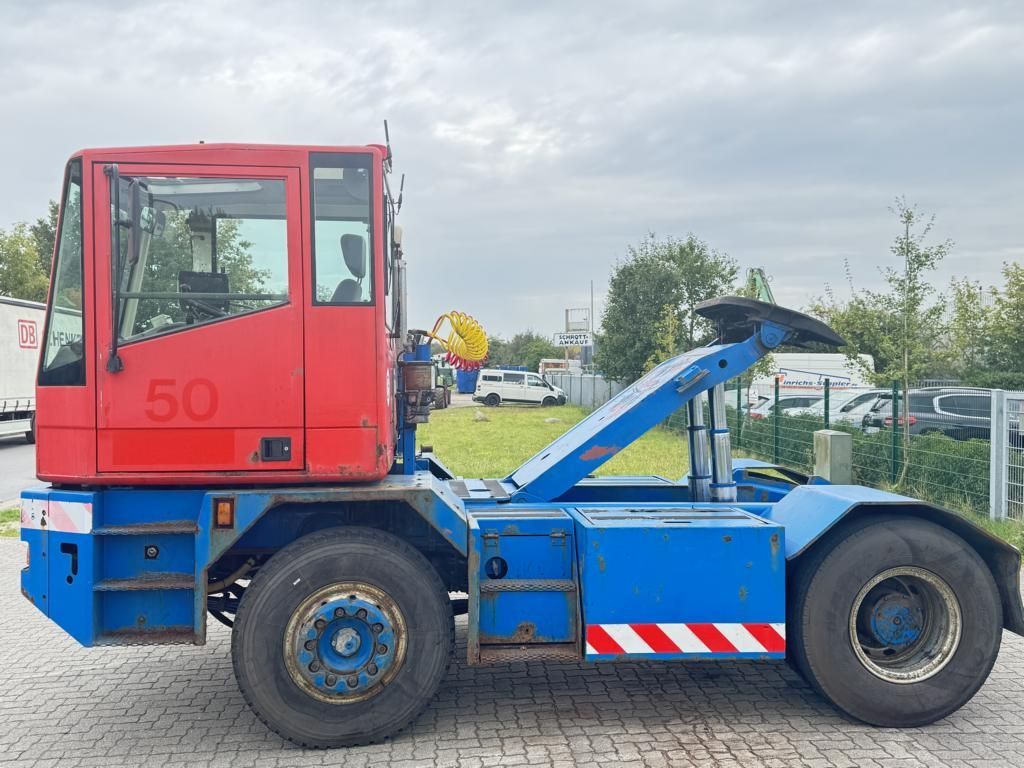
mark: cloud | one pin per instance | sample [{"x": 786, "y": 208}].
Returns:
[{"x": 541, "y": 139}]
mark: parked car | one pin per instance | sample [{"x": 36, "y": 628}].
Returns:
[
  {"x": 494, "y": 387},
  {"x": 848, "y": 408},
  {"x": 788, "y": 405},
  {"x": 958, "y": 412}
]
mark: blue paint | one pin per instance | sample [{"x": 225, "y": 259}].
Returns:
[{"x": 895, "y": 625}]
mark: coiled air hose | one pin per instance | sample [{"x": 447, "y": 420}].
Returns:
[{"x": 465, "y": 343}]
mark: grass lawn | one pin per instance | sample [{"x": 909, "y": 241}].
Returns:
[
  {"x": 495, "y": 447},
  {"x": 9, "y": 521}
]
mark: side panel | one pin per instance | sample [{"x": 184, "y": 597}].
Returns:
[{"x": 680, "y": 583}]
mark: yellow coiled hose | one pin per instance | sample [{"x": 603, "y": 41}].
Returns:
[{"x": 465, "y": 343}]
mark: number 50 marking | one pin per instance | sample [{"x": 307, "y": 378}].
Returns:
[{"x": 198, "y": 399}]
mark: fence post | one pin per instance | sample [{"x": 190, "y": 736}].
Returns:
[
  {"x": 775, "y": 424},
  {"x": 895, "y": 430},
  {"x": 998, "y": 456},
  {"x": 739, "y": 413},
  {"x": 827, "y": 387}
]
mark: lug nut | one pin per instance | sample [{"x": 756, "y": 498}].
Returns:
[
  {"x": 339, "y": 612},
  {"x": 310, "y": 645},
  {"x": 378, "y": 628},
  {"x": 382, "y": 649},
  {"x": 320, "y": 624},
  {"x": 372, "y": 669},
  {"x": 331, "y": 680},
  {"x": 353, "y": 681},
  {"x": 361, "y": 613},
  {"x": 314, "y": 667}
]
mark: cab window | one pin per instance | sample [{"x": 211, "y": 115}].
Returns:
[
  {"x": 63, "y": 358},
  {"x": 342, "y": 216},
  {"x": 536, "y": 381},
  {"x": 207, "y": 249}
]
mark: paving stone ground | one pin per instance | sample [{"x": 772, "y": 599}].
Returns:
[{"x": 63, "y": 705}]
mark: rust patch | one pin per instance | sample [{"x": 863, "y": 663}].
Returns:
[
  {"x": 727, "y": 539},
  {"x": 364, "y": 422},
  {"x": 743, "y": 594},
  {"x": 524, "y": 632},
  {"x": 774, "y": 540},
  {"x": 510, "y": 530},
  {"x": 600, "y": 563},
  {"x": 254, "y": 457},
  {"x": 599, "y": 452},
  {"x": 27, "y": 596}
]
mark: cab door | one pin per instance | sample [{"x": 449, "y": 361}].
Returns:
[{"x": 206, "y": 375}]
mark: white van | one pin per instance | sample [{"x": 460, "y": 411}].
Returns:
[{"x": 495, "y": 387}]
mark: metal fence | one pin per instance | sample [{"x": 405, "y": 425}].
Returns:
[
  {"x": 587, "y": 390},
  {"x": 934, "y": 444},
  {"x": 1007, "y": 479}
]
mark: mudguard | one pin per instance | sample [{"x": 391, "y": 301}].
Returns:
[{"x": 809, "y": 512}]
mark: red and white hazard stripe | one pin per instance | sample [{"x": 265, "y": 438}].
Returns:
[
  {"x": 642, "y": 639},
  {"x": 64, "y": 516}
]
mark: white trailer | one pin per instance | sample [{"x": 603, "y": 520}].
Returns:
[
  {"x": 21, "y": 335},
  {"x": 804, "y": 373}
]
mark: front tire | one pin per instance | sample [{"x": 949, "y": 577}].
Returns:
[
  {"x": 493, "y": 400},
  {"x": 549, "y": 401},
  {"x": 343, "y": 638},
  {"x": 895, "y": 620}
]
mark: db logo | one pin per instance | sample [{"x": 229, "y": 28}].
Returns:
[{"x": 27, "y": 338}]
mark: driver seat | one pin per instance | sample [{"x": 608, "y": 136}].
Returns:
[{"x": 353, "y": 250}]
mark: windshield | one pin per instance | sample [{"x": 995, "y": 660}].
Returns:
[
  {"x": 63, "y": 358},
  {"x": 206, "y": 249}
]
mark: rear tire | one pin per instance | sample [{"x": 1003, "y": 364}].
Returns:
[
  {"x": 895, "y": 620},
  {"x": 493, "y": 400},
  {"x": 321, "y": 692}
]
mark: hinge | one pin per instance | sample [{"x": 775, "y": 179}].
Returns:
[{"x": 557, "y": 538}]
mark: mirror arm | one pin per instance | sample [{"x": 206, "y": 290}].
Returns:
[{"x": 114, "y": 362}]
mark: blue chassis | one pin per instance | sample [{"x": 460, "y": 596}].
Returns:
[{"x": 555, "y": 558}]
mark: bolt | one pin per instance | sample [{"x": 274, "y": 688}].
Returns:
[
  {"x": 361, "y": 613},
  {"x": 310, "y": 645},
  {"x": 314, "y": 667},
  {"x": 331, "y": 680},
  {"x": 353, "y": 681},
  {"x": 378, "y": 628},
  {"x": 339, "y": 613},
  {"x": 152, "y": 552},
  {"x": 320, "y": 624},
  {"x": 372, "y": 669},
  {"x": 382, "y": 649}
]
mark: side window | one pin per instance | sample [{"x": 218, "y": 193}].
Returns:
[
  {"x": 514, "y": 378},
  {"x": 342, "y": 216},
  {"x": 63, "y": 357},
  {"x": 208, "y": 249},
  {"x": 536, "y": 381},
  {"x": 496, "y": 378}
]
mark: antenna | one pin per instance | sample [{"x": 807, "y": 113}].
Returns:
[
  {"x": 387, "y": 141},
  {"x": 401, "y": 187}
]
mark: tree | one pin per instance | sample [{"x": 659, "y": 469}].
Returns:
[
  {"x": 659, "y": 274},
  {"x": 1004, "y": 322},
  {"x": 899, "y": 326},
  {"x": 44, "y": 232},
  {"x": 20, "y": 273},
  {"x": 526, "y": 348},
  {"x": 666, "y": 337},
  {"x": 968, "y": 330}
]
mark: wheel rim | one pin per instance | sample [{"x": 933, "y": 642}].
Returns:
[
  {"x": 345, "y": 642},
  {"x": 905, "y": 625}
]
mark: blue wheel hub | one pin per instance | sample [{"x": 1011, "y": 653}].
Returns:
[
  {"x": 345, "y": 642},
  {"x": 897, "y": 621}
]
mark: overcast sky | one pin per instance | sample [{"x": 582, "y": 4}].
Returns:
[{"x": 540, "y": 139}]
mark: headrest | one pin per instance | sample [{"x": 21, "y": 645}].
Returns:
[{"x": 353, "y": 248}]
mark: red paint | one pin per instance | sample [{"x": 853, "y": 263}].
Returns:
[
  {"x": 190, "y": 407},
  {"x": 598, "y": 452},
  {"x": 655, "y": 637},
  {"x": 715, "y": 641},
  {"x": 601, "y": 641},
  {"x": 766, "y": 635}
]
